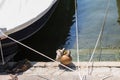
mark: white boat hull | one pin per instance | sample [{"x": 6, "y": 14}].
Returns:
[{"x": 10, "y": 47}]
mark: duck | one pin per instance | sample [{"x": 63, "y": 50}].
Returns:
[
  {"x": 59, "y": 54},
  {"x": 64, "y": 56}
]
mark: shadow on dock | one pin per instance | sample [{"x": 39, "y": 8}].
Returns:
[{"x": 71, "y": 66}]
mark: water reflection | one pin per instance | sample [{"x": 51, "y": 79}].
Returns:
[
  {"x": 90, "y": 20},
  {"x": 53, "y": 35},
  {"x": 60, "y": 32},
  {"x": 118, "y": 6}
]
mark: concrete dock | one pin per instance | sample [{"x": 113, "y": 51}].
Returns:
[{"x": 52, "y": 71}]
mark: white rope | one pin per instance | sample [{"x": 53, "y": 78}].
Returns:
[
  {"x": 77, "y": 46},
  {"x": 101, "y": 32},
  {"x": 108, "y": 76},
  {"x": 34, "y": 50},
  {"x": 2, "y": 56}
]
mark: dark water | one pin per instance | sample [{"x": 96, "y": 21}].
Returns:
[
  {"x": 52, "y": 36},
  {"x": 60, "y": 31}
]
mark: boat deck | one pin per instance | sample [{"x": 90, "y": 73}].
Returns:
[{"x": 52, "y": 71}]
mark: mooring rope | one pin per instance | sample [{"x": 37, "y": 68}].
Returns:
[
  {"x": 101, "y": 32},
  {"x": 77, "y": 42},
  {"x": 1, "y": 51},
  {"x": 77, "y": 46},
  {"x": 76, "y": 25},
  {"x": 34, "y": 50}
]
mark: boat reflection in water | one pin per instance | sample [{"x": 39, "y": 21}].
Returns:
[{"x": 52, "y": 36}]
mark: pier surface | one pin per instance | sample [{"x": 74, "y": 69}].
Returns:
[{"x": 52, "y": 71}]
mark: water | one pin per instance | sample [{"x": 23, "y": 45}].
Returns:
[{"x": 60, "y": 31}]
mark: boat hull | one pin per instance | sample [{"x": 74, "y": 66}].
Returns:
[{"x": 10, "y": 47}]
